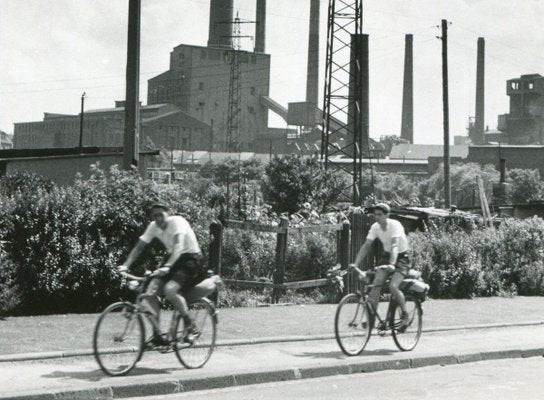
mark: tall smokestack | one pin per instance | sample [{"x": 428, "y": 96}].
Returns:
[
  {"x": 480, "y": 89},
  {"x": 260, "y": 26},
  {"x": 312, "y": 78},
  {"x": 407, "y": 123},
  {"x": 221, "y": 14}
]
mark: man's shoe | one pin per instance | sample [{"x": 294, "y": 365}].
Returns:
[
  {"x": 158, "y": 340},
  {"x": 405, "y": 322},
  {"x": 192, "y": 334}
]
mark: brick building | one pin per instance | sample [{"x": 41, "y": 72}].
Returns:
[
  {"x": 198, "y": 83},
  {"x": 62, "y": 165},
  {"x": 516, "y": 156},
  {"x": 524, "y": 124},
  {"x": 164, "y": 124}
]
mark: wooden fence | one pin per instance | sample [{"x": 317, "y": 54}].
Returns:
[
  {"x": 350, "y": 238},
  {"x": 282, "y": 231}
]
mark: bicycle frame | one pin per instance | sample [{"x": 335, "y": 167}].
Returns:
[{"x": 144, "y": 310}]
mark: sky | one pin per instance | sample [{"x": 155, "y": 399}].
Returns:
[{"x": 53, "y": 51}]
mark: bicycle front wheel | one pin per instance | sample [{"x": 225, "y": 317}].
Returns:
[
  {"x": 407, "y": 339},
  {"x": 351, "y": 325},
  {"x": 197, "y": 353},
  {"x": 118, "y": 339}
]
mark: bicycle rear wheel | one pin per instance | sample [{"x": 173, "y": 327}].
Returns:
[
  {"x": 408, "y": 339},
  {"x": 196, "y": 354},
  {"x": 118, "y": 340},
  {"x": 351, "y": 325}
]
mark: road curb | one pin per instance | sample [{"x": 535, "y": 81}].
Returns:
[
  {"x": 353, "y": 366},
  {"x": 254, "y": 341}
]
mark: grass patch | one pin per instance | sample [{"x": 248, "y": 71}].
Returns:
[{"x": 74, "y": 331}]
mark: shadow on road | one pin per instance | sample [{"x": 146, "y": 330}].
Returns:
[
  {"x": 339, "y": 355},
  {"x": 97, "y": 375}
]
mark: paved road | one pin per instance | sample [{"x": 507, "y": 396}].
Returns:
[
  {"x": 494, "y": 380},
  {"x": 78, "y": 373}
]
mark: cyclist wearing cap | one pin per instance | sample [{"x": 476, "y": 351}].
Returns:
[
  {"x": 181, "y": 271},
  {"x": 395, "y": 260}
]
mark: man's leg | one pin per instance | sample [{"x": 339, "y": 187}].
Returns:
[
  {"x": 172, "y": 294},
  {"x": 151, "y": 302},
  {"x": 394, "y": 283},
  {"x": 379, "y": 280}
]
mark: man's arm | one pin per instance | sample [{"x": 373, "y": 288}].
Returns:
[
  {"x": 135, "y": 252},
  {"x": 363, "y": 252},
  {"x": 394, "y": 251}
]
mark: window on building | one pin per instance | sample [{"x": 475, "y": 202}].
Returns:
[
  {"x": 252, "y": 90},
  {"x": 202, "y": 54},
  {"x": 184, "y": 142},
  {"x": 181, "y": 56},
  {"x": 215, "y": 55},
  {"x": 514, "y": 85},
  {"x": 251, "y": 110},
  {"x": 244, "y": 57},
  {"x": 530, "y": 85},
  {"x": 200, "y": 85},
  {"x": 253, "y": 59},
  {"x": 211, "y": 121}
]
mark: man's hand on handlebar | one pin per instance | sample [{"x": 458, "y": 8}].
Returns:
[
  {"x": 122, "y": 268},
  {"x": 162, "y": 271}
]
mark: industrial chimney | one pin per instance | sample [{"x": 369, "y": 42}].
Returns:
[
  {"x": 478, "y": 137},
  {"x": 260, "y": 26},
  {"x": 407, "y": 123},
  {"x": 312, "y": 78},
  {"x": 220, "y": 31}
]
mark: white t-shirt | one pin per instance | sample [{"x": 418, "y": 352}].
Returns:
[
  {"x": 394, "y": 229},
  {"x": 174, "y": 225}
]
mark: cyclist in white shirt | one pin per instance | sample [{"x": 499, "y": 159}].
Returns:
[
  {"x": 181, "y": 271},
  {"x": 395, "y": 260}
]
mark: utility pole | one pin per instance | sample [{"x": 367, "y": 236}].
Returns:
[
  {"x": 132, "y": 103},
  {"x": 447, "y": 184},
  {"x": 81, "y": 123},
  {"x": 171, "y": 157},
  {"x": 235, "y": 99}
]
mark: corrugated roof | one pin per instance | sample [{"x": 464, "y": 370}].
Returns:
[{"x": 424, "y": 151}]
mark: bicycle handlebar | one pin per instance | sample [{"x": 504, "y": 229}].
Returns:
[{"x": 362, "y": 274}]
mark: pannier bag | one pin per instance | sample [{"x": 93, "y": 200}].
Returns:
[{"x": 415, "y": 287}]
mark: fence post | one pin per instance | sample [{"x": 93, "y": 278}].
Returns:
[
  {"x": 343, "y": 250},
  {"x": 215, "y": 253},
  {"x": 360, "y": 225},
  {"x": 216, "y": 233},
  {"x": 281, "y": 250}
]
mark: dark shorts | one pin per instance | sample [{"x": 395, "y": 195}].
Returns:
[
  {"x": 187, "y": 271},
  {"x": 403, "y": 264}
]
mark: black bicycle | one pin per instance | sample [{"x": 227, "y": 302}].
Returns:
[
  {"x": 353, "y": 326},
  {"x": 119, "y": 339}
]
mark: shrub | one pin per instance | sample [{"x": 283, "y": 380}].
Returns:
[
  {"x": 24, "y": 182},
  {"x": 65, "y": 242},
  {"x": 448, "y": 263},
  {"x": 10, "y": 299},
  {"x": 291, "y": 181},
  {"x": 525, "y": 185}
]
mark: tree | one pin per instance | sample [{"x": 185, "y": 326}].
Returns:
[
  {"x": 291, "y": 181},
  {"x": 525, "y": 185},
  {"x": 227, "y": 170},
  {"x": 464, "y": 184},
  {"x": 396, "y": 189}
]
